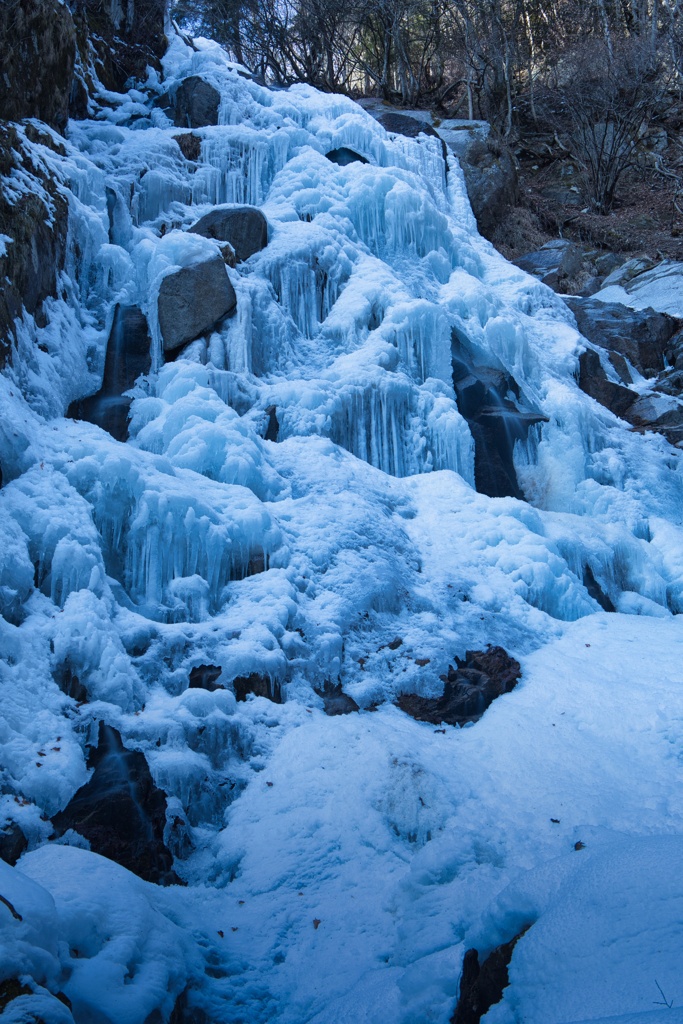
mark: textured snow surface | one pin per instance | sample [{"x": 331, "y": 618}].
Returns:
[{"x": 336, "y": 868}]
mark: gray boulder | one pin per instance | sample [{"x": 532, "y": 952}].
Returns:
[
  {"x": 641, "y": 336},
  {"x": 554, "y": 263},
  {"x": 192, "y": 301},
  {"x": 244, "y": 227},
  {"x": 195, "y": 104}
]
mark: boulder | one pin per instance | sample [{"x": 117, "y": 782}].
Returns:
[
  {"x": 120, "y": 811},
  {"x": 128, "y": 356},
  {"x": 13, "y": 842},
  {"x": 195, "y": 103},
  {"x": 192, "y": 301},
  {"x": 642, "y": 336},
  {"x": 468, "y": 689},
  {"x": 38, "y": 43},
  {"x": 554, "y": 263},
  {"x": 244, "y": 227}
]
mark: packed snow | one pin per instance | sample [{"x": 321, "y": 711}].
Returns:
[{"x": 336, "y": 868}]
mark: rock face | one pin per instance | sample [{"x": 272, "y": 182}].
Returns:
[
  {"x": 195, "y": 104},
  {"x": 38, "y": 228},
  {"x": 642, "y": 336},
  {"x": 481, "y": 986},
  {"x": 244, "y": 227},
  {"x": 121, "y": 812},
  {"x": 489, "y": 170},
  {"x": 128, "y": 356},
  {"x": 468, "y": 690},
  {"x": 38, "y": 43},
  {"x": 192, "y": 301},
  {"x": 203, "y": 677},
  {"x": 555, "y": 263}
]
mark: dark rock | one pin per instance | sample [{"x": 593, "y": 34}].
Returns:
[
  {"x": 344, "y": 156},
  {"x": 38, "y": 229},
  {"x": 260, "y": 686},
  {"x": 594, "y": 382},
  {"x": 335, "y": 701},
  {"x": 193, "y": 300},
  {"x": 496, "y": 421},
  {"x": 468, "y": 690},
  {"x": 190, "y": 145},
  {"x": 554, "y": 263},
  {"x": 203, "y": 677},
  {"x": 13, "y": 843},
  {"x": 411, "y": 127},
  {"x": 38, "y": 44},
  {"x": 11, "y": 989},
  {"x": 596, "y": 591},
  {"x": 128, "y": 356},
  {"x": 273, "y": 428},
  {"x": 195, "y": 103},
  {"x": 481, "y": 987},
  {"x": 120, "y": 811},
  {"x": 69, "y": 683},
  {"x": 244, "y": 227},
  {"x": 642, "y": 336}
]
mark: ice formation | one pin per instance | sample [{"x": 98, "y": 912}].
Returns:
[{"x": 298, "y": 491}]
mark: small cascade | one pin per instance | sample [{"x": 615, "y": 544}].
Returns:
[{"x": 128, "y": 356}]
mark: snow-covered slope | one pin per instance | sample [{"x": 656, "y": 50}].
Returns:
[{"x": 335, "y": 868}]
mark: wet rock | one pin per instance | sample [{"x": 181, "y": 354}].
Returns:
[
  {"x": 469, "y": 689},
  {"x": 128, "y": 356},
  {"x": 190, "y": 145},
  {"x": 490, "y": 402},
  {"x": 203, "y": 677},
  {"x": 596, "y": 591},
  {"x": 38, "y": 44},
  {"x": 260, "y": 686},
  {"x": 195, "y": 103},
  {"x": 120, "y": 811},
  {"x": 481, "y": 986},
  {"x": 343, "y": 157},
  {"x": 244, "y": 227},
  {"x": 13, "y": 842},
  {"x": 192, "y": 301},
  {"x": 625, "y": 272},
  {"x": 37, "y": 226},
  {"x": 273, "y": 428},
  {"x": 335, "y": 701},
  {"x": 555, "y": 263},
  {"x": 642, "y": 336}
]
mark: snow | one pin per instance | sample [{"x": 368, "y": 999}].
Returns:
[
  {"x": 660, "y": 288},
  {"x": 301, "y": 561}
]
